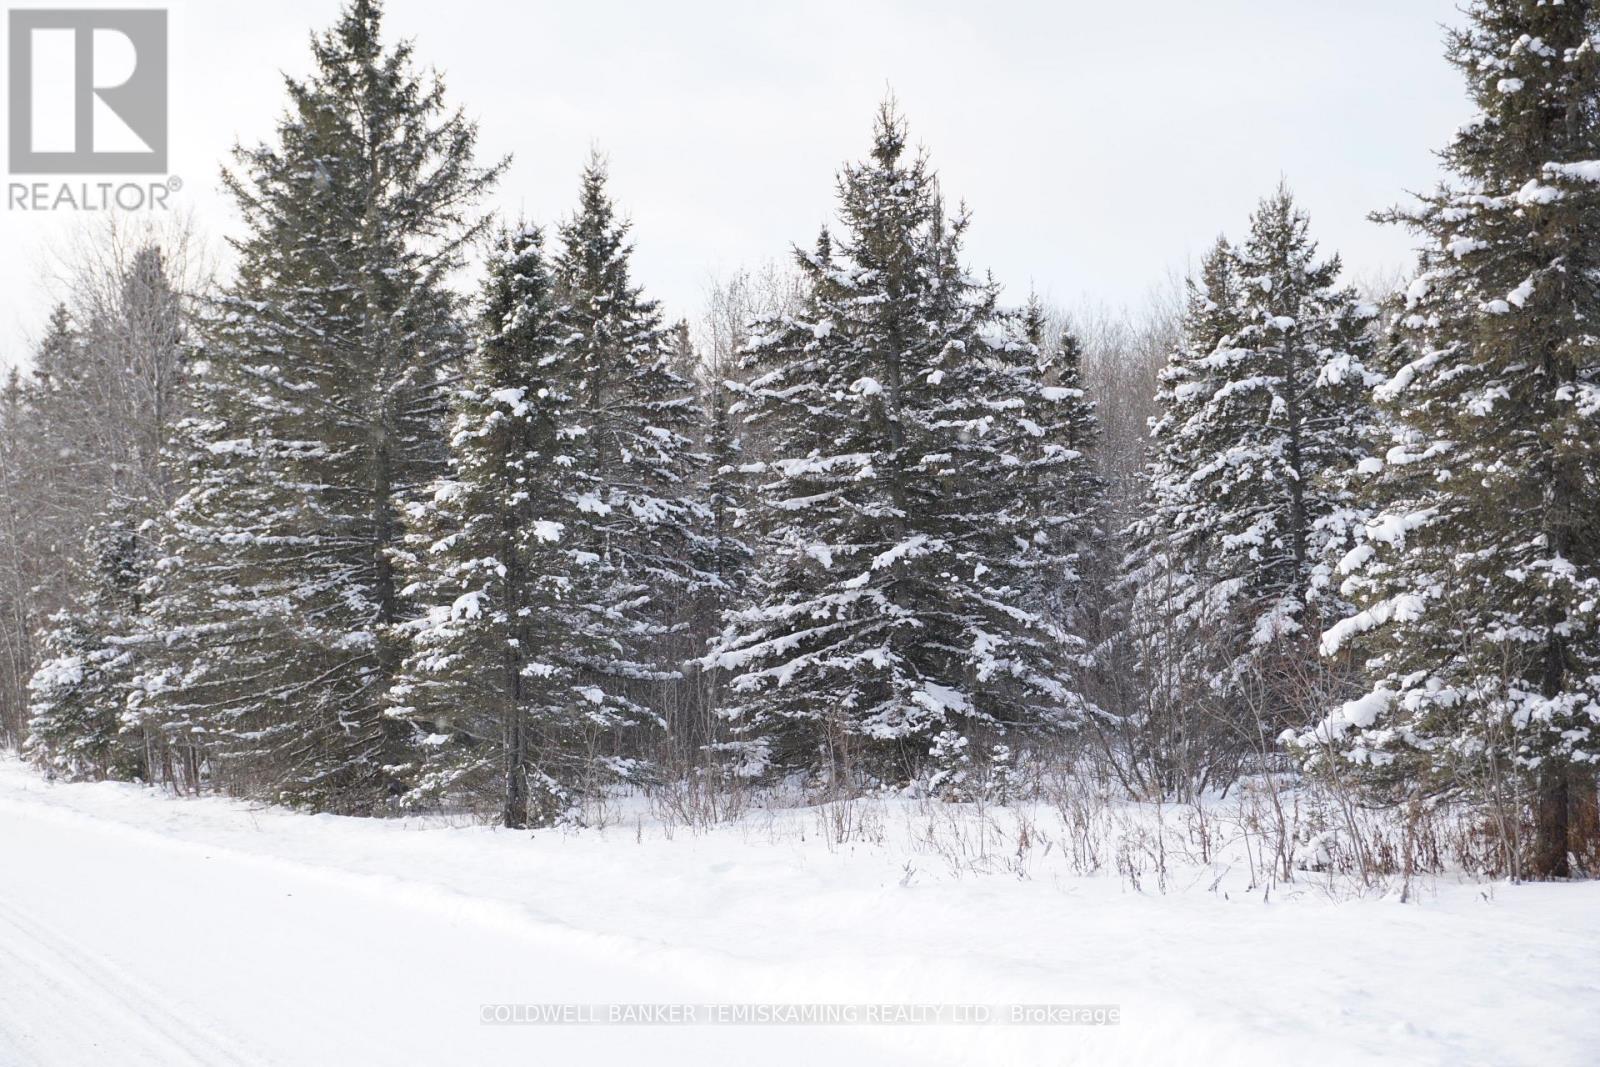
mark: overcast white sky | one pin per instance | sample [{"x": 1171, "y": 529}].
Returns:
[{"x": 1099, "y": 143}]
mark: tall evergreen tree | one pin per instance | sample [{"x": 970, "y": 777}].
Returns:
[
  {"x": 634, "y": 423},
  {"x": 1266, "y": 400},
  {"x": 1478, "y": 578},
  {"x": 563, "y": 552},
  {"x": 1293, "y": 413},
  {"x": 898, "y": 543},
  {"x": 1264, "y": 407},
  {"x": 319, "y": 405},
  {"x": 1168, "y": 635},
  {"x": 1070, "y": 495},
  {"x": 499, "y": 675},
  {"x": 1170, "y": 538}
]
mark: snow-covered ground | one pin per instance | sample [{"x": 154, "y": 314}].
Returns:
[{"x": 140, "y": 929}]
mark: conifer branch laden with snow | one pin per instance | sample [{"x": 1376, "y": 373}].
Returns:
[
  {"x": 910, "y": 440},
  {"x": 1477, "y": 575},
  {"x": 1263, "y": 408},
  {"x": 318, "y": 401}
]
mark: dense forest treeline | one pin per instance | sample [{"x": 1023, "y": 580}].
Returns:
[{"x": 331, "y": 533}]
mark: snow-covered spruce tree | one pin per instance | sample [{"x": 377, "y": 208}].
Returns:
[
  {"x": 319, "y": 401},
  {"x": 1264, "y": 405},
  {"x": 1478, "y": 578},
  {"x": 1071, "y": 494},
  {"x": 1173, "y": 733},
  {"x": 899, "y": 544},
  {"x": 634, "y": 423},
  {"x": 1290, "y": 413},
  {"x": 79, "y": 726},
  {"x": 498, "y": 679}
]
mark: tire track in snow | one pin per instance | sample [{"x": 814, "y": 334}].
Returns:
[{"x": 87, "y": 1000}]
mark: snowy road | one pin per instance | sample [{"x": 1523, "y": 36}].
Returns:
[
  {"x": 140, "y": 929},
  {"x": 120, "y": 947}
]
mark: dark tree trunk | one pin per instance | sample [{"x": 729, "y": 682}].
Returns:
[
  {"x": 515, "y": 815},
  {"x": 1583, "y": 825},
  {"x": 1552, "y": 814},
  {"x": 516, "y": 811}
]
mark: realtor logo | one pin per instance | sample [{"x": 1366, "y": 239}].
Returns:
[{"x": 88, "y": 92}]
